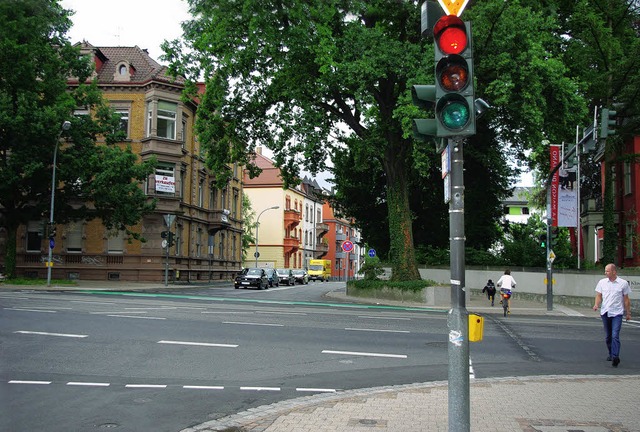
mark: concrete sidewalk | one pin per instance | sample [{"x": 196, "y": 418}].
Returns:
[{"x": 594, "y": 403}]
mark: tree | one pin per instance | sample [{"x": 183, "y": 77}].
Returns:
[
  {"x": 36, "y": 61},
  {"x": 311, "y": 79},
  {"x": 248, "y": 226}
]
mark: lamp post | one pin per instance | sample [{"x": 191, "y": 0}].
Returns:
[
  {"x": 65, "y": 127},
  {"x": 258, "y": 227}
]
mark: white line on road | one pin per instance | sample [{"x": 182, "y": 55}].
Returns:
[
  {"x": 260, "y": 388},
  {"x": 115, "y": 312},
  {"x": 29, "y": 382},
  {"x": 227, "y": 312},
  {"x": 384, "y": 318},
  {"x": 365, "y": 354},
  {"x": 149, "y": 308},
  {"x": 30, "y": 310},
  {"x": 316, "y": 390},
  {"x": 88, "y": 384},
  {"x": 131, "y": 316},
  {"x": 169, "y": 342},
  {"x": 255, "y": 324},
  {"x": 203, "y": 387},
  {"x": 280, "y": 313},
  {"x": 146, "y": 386},
  {"x": 51, "y": 334},
  {"x": 378, "y": 330},
  {"x": 92, "y": 302}
]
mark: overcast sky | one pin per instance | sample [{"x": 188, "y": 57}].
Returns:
[{"x": 145, "y": 23}]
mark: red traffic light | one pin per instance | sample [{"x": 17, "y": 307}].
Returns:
[{"x": 451, "y": 35}]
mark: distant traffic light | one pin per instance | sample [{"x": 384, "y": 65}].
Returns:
[
  {"x": 607, "y": 122},
  {"x": 553, "y": 241},
  {"x": 543, "y": 240},
  {"x": 170, "y": 241},
  {"x": 454, "y": 98},
  {"x": 164, "y": 234}
]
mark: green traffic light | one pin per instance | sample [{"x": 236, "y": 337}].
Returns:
[{"x": 455, "y": 115}]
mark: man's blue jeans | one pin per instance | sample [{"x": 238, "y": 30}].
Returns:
[{"x": 612, "y": 333}]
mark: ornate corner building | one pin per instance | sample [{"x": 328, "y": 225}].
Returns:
[{"x": 205, "y": 222}]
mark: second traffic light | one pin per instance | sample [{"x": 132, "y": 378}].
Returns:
[
  {"x": 607, "y": 122},
  {"x": 454, "y": 98}
]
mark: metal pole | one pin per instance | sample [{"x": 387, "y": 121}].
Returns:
[
  {"x": 458, "y": 319},
  {"x": 258, "y": 227},
  {"x": 166, "y": 266},
  {"x": 65, "y": 126}
]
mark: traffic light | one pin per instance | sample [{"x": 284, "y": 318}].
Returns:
[
  {"x": 51, "y": 230},
  {"x": 607, "y": 123},
  {"x": 553, "y": 241},
  {"x": 169, "y": 239},
  {"x": 164, "y": 234},
  {"x": 454, "y": 99},
  {"x": 424, "y": 96},
  {"x": 543, "y": 240}
]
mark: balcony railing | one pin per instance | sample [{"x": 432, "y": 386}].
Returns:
[
  {"x": 322, "y": 228},
  {"x": 291, "y": 244}
]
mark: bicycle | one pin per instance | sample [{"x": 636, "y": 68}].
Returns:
[{"x": 506, "y": 295}]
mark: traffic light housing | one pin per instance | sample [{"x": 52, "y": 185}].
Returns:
[
  {"x": 553, "y": 240},
  {"x": 607, "y": 122},
  {"x": 424, "y": 96},
  {"x": 170, "y": 241},
  {"x": 543, "y": 240},
  {"x": 164, "y": 234},
  {"x": 455, "y": 93}
]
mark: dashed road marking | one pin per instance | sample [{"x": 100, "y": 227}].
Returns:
[
  {"x": 365, "y": 354},
  {"x": 51, "y": 334}
]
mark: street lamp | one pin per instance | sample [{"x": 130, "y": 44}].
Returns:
[
  {"x": 65, "y": 127},
  {"x": 258, "y": 227}
]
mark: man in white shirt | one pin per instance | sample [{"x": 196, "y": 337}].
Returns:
[{"x": 612, "y": 297}]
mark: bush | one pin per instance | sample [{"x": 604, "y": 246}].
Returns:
[
  {"x": 371, "y": 269},
  {"x": 414, "y": 286}
]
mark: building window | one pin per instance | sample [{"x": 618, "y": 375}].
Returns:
[
  {"x": 167, "y": 119},
  {"x": 221, "y": 246},
  {"x": 234, "y": 248},
  {"x": 178, "y": 239},
  {"x": 525, "y": 210},
  {"x": 223, "y": 198},
  {"x": 183, "y": 133},
  {"x": 74, "y": 237},
  {"x": 164, "y": 180},
  {"x": 629, "y": 236},
  {"x": 183, "y": 175},
  {"x": 201, "y": 193},
  {"x": 234, "y": 207},
  {"x": 34, "y": 237},
  {"x": 115, "y": 242},
  {"x": 212, "y": 196},
  {"x": 124, "y": 122},
  {"x": 627, "y": 178},
  {"x": 199, "y": 242},
  {"x": 287, "y": 203}
]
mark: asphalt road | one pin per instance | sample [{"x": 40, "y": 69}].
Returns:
[{"x": 166, "y": 361}]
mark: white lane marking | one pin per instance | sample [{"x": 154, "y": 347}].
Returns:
[
  {"x": 280, "y": 313},
  {"x": 30, "y": 310},
  {"x": 131, "y": 316},
  {"x": 226, "y": 312},
  {"x": 88, "y": 384},
  {"x": 203, "y": 387},
  {"x": 365, "y": 354},
  {"x": 115, "y": 312},
  {"x": 316, "y": 390},
  {"x": 13, "y": 298},
  {"x": 149, "y": 308},
  {"x": 92, "y": 302},
  {"x": 146, "y": 386},
  {"x": 51, "y": 334},
  {"x": 472, "y": 374},
  {"x": 377, "y": 330},
  {"x": 250, "y": 323},
  {"x": 384, "y": 318},
  {"x": 169, "y": 342},
  {"x": 29, "y": 382},
  {"x": 260, "y": 388}
]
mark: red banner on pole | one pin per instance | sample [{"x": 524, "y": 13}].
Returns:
[{"x": 555, "y": 183}]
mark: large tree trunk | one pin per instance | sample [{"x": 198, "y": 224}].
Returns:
[{"x": 401, "y": 251}]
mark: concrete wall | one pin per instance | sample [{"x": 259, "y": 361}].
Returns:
[{"x": 570, "y": 287}]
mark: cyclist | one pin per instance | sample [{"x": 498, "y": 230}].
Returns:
[{"x": 506, "y": 283}]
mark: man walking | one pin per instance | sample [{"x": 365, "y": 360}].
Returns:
[{"x": 612, "y": 297}]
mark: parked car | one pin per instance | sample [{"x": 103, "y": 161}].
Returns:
[
  {"x": 301, "y": 276},
  {"x": 286, "y": 276},
  {"x": 272, "y": 277},
  {"x": 252, "y": 277}
]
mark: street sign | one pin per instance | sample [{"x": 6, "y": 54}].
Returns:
[
  {"x": 347, "y": 246},
  {"x": 372, "y": 253},
  {"x": 256, "y": 254},
  {"x": 551, "y": 256},
  {"x": 168, "y": 219},
  {"x": 52, "y": 243},
  {"x": 453, "y": 7}
]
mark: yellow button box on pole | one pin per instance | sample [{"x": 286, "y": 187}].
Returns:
[{"x": 476, "y": 326}]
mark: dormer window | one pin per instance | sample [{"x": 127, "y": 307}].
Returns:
[{"x": 123, "y": 71}]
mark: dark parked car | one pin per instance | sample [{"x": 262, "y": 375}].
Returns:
[
  {"x": 272, "y": 277},
  {"x": 301, "y": 276},
  {"x": 252, "y": 277},
  {"x": 286, "y": 277}
]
